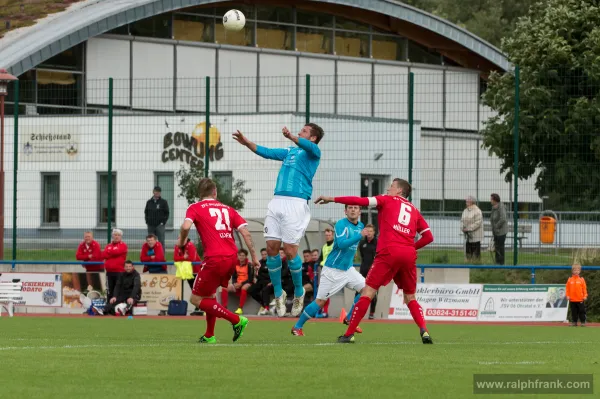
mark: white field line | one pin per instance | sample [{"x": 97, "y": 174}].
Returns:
[
  {"x": 512, "y": 363},
  {"x": 192, "y": 342}
]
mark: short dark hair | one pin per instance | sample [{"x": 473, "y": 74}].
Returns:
[
  {"x": 370, "y": 225},
  {"x": 316, "y": 131},
  {"x": 206, "y": 187},
  {"x": 128, "y": 262},
  {"x": 150, "y": 236},
  {"x": 405, "y": 186},
  {"x": 495, "y": 197},
  {"x": 315, "y": 250},
  {"x": 346, "y": 206},
  {"x": 328, "y": 230},
  {"x": 243, "y": 251},
  {"x": 306, "y": 251},
  {"x": 263, "y": 249}
]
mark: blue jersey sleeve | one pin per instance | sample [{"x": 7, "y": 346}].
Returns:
[
  {"x": 277, "y": 154},
  {"x": 342, "y": 234},
  {"x": 310, "y": 147}
]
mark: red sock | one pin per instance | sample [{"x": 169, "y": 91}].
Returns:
[
  {"x": 243, "y": 296},
  {"x": 211, "y": 306},
  {"x": 326, "y": 306},
  {"x": 224, "y": 297},
  {"x": 267, "y": 307},
  {"x": 416, "y": 311},
  {"x": 211, "y": 320},
  {"x": 360, "y": 310}
]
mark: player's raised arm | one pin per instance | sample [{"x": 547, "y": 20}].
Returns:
[
  {"x": 361, "y": 201},
  {"x": 341, "y": 236},
  {"x": 277, "y": 154},
  {"x": 307, "y": 145}
]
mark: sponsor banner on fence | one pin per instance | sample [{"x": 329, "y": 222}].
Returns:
[
  {"x": 159, "y": 289},
  {"x": 535, "y": 302},
  {"x": 440, "y": 302},
  {"x": 39, "y": 289},
  {"x": 79, "y": 285}
]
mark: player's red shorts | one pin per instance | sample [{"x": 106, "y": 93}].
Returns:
[
  {"x": 216, "y": 272},
  {"x": 397, "y": 263}
]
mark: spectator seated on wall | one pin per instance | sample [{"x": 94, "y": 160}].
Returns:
[
  {"x": 153, "y": 251},
  {"x": 128, "y": 290}
]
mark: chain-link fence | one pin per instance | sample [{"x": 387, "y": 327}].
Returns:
[{"x": 89, "y": 159}]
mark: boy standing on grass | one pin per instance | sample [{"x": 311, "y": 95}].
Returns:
[{"x": 577, "y": 294}]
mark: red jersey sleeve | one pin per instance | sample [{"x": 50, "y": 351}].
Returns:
[
  {"x": 144, "y": 254},
  {"x": 192, "y": 253},
  {"x": 380, "y": 201},
  {"x": 96, "y": 251},
  {"x": 190, "y": 214},
  {"x": 422, "y": 225},
  {"x": 237, "y": 221},
  {"x": 159, "y": 253},
  {"x": 80, "y": 255},
  {"x": 178, "y": 254}
]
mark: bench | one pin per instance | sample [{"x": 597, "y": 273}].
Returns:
[
  {"x": 522, "y": 231},
  {"x": 9, "y": 294}
]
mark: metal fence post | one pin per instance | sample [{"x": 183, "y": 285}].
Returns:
[
  {"x": 207, "y": 128},
  {"x": 15, "y": 168},
  {"x": 110, "y": 154},
  {"x": 307, "y": 112},
  {"x": 516, "y": 170},
  {"x": 411, "y": 120}
]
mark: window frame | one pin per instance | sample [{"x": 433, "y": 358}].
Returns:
[
  {"x": 99, "y": 176},
  {"x": 43, "y": 222},
  {"x": 170, "y": 223}
]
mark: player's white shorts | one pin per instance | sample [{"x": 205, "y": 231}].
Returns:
[
  {"x": 334, "y": 280},
  {"x": 287, "y": 219}
]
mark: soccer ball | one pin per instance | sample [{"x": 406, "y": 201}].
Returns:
[
  {"x": 121, "y": 309},
  {"x": 234, "y": 20}
]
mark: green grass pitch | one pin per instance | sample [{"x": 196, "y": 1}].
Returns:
[{"x": 99, "y": 357}]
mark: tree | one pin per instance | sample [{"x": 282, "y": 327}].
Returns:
[
  {"x": 557, "y": 47},
  {"x": 188, "y": 179}
]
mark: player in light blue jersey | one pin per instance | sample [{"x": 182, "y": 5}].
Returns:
[
  {"x": 288, "y": 214},
  {"x": 338, "y": 271}
]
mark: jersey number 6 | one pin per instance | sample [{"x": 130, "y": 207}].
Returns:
[
  {"x": 404, "y": 215},
  {"x": 221, "y": 214}
]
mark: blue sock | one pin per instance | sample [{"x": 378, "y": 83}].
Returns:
[
  {"x": 349, "y": 315},
  {"x": 296, "y": 270},
  {"x": 274, "y": 266},
  {"x": 309, "y": 312}
]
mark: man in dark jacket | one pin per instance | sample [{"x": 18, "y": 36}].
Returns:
[
  {"x": 262, "y": 287},
  {"x": 499, "y": 224},
  {"x": 157, "y": 214},
  {"x": 367, "y": 248},
  {"x": 127, "y": 290}
]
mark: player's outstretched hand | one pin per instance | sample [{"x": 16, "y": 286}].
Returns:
[
  {"x": 322, "y": 200},
  {"x": 363, "y": 232},
  {"x": 286, "y": 133},
  {"x": 240, "y": 138}
]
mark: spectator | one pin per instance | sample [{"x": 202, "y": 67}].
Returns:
[
  {"x": 308, "y": 272},
  {"x": 499, "y": 227},
  {"x": 472, "y": 227},
  {"x": 577, "y": 295},
  {"x": 315, "y": 258},
  {"x": 114, "y": 255},
  {"x": 157, "y": 214},
  {"x": 89, "y": 251},
  {"x": 327, "y": 248},
  {"x": 367, "y": 248},
  {"x": 189, "y": 254},
  {"x": 241, "y": 281},
  {"x": 262, "y": 288},
  {"x": 152, "y": 252},
  {"x": 128, "y": 289}
]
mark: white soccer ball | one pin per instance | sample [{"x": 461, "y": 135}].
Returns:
[
  {"x": 234, "y": 20},
  {"x": 121, "y": 309}
]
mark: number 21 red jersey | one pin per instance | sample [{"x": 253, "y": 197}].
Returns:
[
  {"x": 399, "y": 221},
  {"x": 215, "y": 222}
]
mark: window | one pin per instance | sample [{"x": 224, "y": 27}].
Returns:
[
  {"x": 50, "y": 199},
  {"x": 225, "y": 180},
  {"x": 370, "y": 186},
  {"x": 71, "y": 59},
  {"x": 275, "y": 14},
  {"x": 59, "y": 88},
  {"x": 311, "y": 18},
  {"x": 193, "y": 28},
  {"x": 391, "y": 48},
  {"x": 422, "y": 55},
  {"x": 313, "y": 40},
  {"x": 279, "y": 37},
  {"x": 166, "y": 182},
  {"x": 103, "y": 198},
  {"x": 158, "y": 26},
  {"x": 352, "y": 44},
  {"x": 346, "y": 24}
]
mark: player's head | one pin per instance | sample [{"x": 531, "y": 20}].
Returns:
[
  {"x": 151, "y": 240},
  {"x": 315, "y": 255},
  {"x": 494, "y": 199},
  {"x": 370, "y": 231},
  {"x": 117, "y": 235},
  {"x": 470, "y": 200},
  {"x": 328, "y": 234},
  {"x": 306, "y": 255},
  {"x": 207, "y": 188},
  {"x": 242, "y": 256},
  {"x": 128, "y": 266},
  {"x": 88, "y": 237},
  {"x": 352, "y": 213},
  {"x": 400, "y": 188},
  {"x": 576, "y": 269},
  {"x": 263, "y": 253},
  {"x": 312, "y": 132}
]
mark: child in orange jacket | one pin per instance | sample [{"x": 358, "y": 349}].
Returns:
[{"x": 577, "y": 294}]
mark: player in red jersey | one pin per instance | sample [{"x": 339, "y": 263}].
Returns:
[
  {"x": 215, "y": 222},
  {"x": 396, "y": 256}
]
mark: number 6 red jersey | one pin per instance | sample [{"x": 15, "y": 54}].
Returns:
[
  {"x": 399, "y": 221},
  {"x": 215, "y": 222}
]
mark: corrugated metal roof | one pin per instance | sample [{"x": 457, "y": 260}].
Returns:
[{"x": 21, "y": 52}]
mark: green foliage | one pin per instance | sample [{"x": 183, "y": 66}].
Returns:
[{"x": 557, "y": 47}]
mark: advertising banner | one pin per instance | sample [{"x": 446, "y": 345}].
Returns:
[
  {"x": 440, "y": 302},
  {"x": 76, "y": 286},
  {"x": 39, "y": 289},
  {"x": 535, "y": 302},
  {"x": 159, "y": 289}
]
